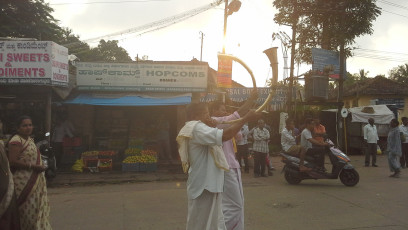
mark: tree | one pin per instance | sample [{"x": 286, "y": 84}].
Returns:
[
  {"x": 325, "y": 23},
  {"x": 351, "y": 79},
  {"x": 74, "y": 44},
  {"x": 33, "y": 19},
  {"x": 28, "y": 19},
  {"x": 108, "y": 51},
  {"x": 400, "y": 74},
  {"x": 363, "y": 74}
]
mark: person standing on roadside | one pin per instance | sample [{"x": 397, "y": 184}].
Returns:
[
  {"x": 404, "y": 131},
  {"x": 394, "y": 148},
  {"x": 29, "y": 180},
  {"x": 260, "y": 148},
  {"x": 370, "y": 139}
]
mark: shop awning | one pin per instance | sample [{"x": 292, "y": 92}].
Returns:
[{"x": 129, "y": 100}]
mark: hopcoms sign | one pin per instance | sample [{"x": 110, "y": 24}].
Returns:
[{"x": 141, "y": 77}]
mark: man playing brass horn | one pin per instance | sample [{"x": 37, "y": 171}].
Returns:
[
  {"x": 204, "y": 160},
  {"x": 233, "y": 196}
]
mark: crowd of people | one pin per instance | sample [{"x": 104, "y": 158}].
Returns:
[
  {"x": 397, "y": 145},
  {"x": 212, "y": 146},
  {"x": 212, "y": 149}
]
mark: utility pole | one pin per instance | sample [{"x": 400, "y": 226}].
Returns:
[
  {"x": 292, "y": 59},
  {"x": 341, "y": 78},
  {"x": 225, "y": 25},
  {"x": 201, "y": 53}
]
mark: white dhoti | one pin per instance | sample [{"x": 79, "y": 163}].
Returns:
[
  {"x": 205, "y": 212},
  {"x": 233, "y": 200}
]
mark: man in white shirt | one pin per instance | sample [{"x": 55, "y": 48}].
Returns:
[
  {"x": 205, "y": 182},
  {"x": 288, "y": 142},
  {"x": 307, "y": 141},
  {"x": 404, "y": 145},
  {"x": 370, "y": 139}
]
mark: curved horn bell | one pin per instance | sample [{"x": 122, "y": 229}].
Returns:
[{"x": 272, "y": 54}]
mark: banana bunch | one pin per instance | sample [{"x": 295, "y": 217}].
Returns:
[{"x": 77, "y": 167}]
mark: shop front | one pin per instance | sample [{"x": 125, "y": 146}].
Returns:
[
  {"x": 130, "y": 123},
  {"x": 32, "y": 76}
]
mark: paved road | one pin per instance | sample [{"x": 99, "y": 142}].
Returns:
[{"x": 377, "y": 202}]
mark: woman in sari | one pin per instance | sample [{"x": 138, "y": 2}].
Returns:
[
  {"x": 29, "y": 181},
  {"x": 9, "y": 218}
]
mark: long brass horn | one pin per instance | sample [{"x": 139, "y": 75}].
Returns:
[
  {"x": 273, "y": 59},
  {"x": 272, "y": 54}
]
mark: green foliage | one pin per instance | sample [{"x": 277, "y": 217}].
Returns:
[
  {"x": 108, "y": 51},
  {"x": 74, "y": 44},
  {"x": 363, "y": 74},
  {"x": 28, "y": 19},
  {"x": 325, "y": 23},
  {"x": 33, "y": 19},
  {"x": 351, "y": 79},
  {"x": 400, "y": 74}
]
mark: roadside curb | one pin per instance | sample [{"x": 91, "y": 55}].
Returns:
[{"x": 76, "y": 179}]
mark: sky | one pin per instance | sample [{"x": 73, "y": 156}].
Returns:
[{"x": 249, "y": 33}]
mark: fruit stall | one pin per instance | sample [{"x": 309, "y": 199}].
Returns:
[
  {"x": 135, "y": 160},
  {"x": 96, "y": 161},
  {"x": 138, "y": 160}
]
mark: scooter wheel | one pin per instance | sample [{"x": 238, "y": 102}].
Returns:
[
  {"x": 291, "y": 178},
  {"x": 349, "y": 177}
]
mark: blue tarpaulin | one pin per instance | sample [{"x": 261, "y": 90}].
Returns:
[{"x": 128, "y": 100}]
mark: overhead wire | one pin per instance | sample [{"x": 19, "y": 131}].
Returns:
[
  {"x": 380, "y": 55},
  {"x": 91, "y": 3},
  {"x": 395, "y": 13},
  {"x": 400, "y": 7},
  {"x": 381, "y": 51},
  {"x": 393, "y": 4},
  {"x": 158, "y": 24},
  {"x": 364, "y": 53}
]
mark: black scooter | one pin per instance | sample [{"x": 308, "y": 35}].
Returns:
[
  {"x": 48, "y": 158},
  {"x": 341, "y": 168}
]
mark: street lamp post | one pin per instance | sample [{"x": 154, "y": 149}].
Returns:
[
  {"x": 225, "y": 25},
  {"x": 228, "y": 10}
]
